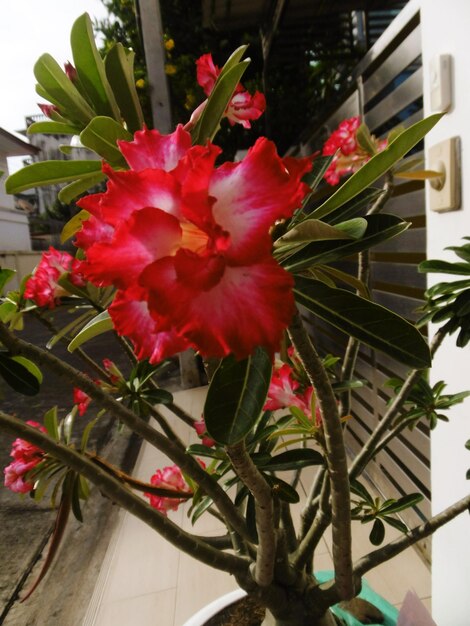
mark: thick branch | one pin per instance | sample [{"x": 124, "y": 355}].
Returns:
[
  {"x": 336, "y": 457},
  {"x": 261, "y": 492},
  {"x": 387, "y": 552},
  {"x": 185, "y": 461},
  {"x": 122, "y": 496}
]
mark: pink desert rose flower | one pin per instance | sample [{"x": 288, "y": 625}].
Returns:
[
  {"x": 187, "y": 245},
  {"x": 281, "y": 393},
  {"x": 48, "y": 109},
  {"x": 242, "y": 108},
  {"x": 81, "y": 399},
  {"x": 200, "y": 428},
  {"x": 168, "y": 478},
  {"x": 26, "y": 456},
  {"x": 43, "y": 287},
  {"x": 349, "y": 156}
]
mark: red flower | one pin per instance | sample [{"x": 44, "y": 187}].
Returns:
[
  {"x": 43, "y": 286},
  {"x": 26, "y": 456},
  {"x": 81, "y": 399},
  {"x": 281, "y": 393},
  {"x": 188, "y": 246},
  {"x": 349, "y": 156},
  {"x": 48, "y": 109},
  {"x": 168, "y": 478},
  {"x": 242, "y": 108},
  {"x": 200, "y": 428}
]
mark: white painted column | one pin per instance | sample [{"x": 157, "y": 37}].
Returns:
[{"x": 446, "y": 30}]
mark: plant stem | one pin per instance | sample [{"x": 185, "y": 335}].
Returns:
[
  {"x": 336, "y": 457},
  {"x": 118, "y": 493},
  {"x": 363, "y": 275},
  {"x": 261, "y": 492},
  {"x": 185, "y": 461},
  {"x": 369, "y": 450},
  {"x": 321, "y": 522},
  {"x": 397, "y": 546}
]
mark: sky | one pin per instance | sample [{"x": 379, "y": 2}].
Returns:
[{"x": 29, "y": 28}]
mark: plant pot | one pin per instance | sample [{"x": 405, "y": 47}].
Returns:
[{"x": 211, "y": 610}]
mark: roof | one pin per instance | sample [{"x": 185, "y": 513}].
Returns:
[{"x": 11, "y": 145}]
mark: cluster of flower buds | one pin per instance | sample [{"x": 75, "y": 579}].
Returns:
[
  {"x": 349, "y": 155},
  {"x": 43, "y": 286},
  {"x": 26, "y": 456}
]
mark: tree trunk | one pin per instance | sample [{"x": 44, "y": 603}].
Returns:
[{"x": 300, "y": 617}]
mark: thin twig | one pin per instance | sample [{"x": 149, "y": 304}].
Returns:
[
  {"x": 368, "y": 451},
  {"x": 397, "y": 546}
]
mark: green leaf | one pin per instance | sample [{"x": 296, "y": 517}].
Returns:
[
  {"x": 90, "y": 68},
  {"x": 101, "y": 136},
  {"x": 73, "y": 225},
  {"x": 348, "y": 279},
  {"x": 197, "y": 449},
  {"x": 358, "y": 489},
  {"x": 30, "y": 366},
  {"x": 18, "y": 377},
  {"x": 5, "y": 276},
  {"x": 358, "y": 204},
  {"x": 119, "y": 67},
  {"x": 378, "y": 165},
  {"x": 403, "y": 503},
  {"x": 282, "y": 490},
  {"x": 98, "y": 325},
  {"x": 86, "y": 433},
  {"x": 364, "y": 139},
  {"x": 217, "y": 103},
  {"x": 236, "y": 397},
  {"x": 294, "y": 459},
  {"x": 55, "y": 128},
  {"x": 56, "y": 87},
  {"x": 377, "y": 534},
  {"x": 380, "y": 228},
  {"x": 368, "y": 322},
  {"x": 51, "y": 423},
  {"x": 73, "y": 190},
  {"x": 444, "y": 267},
  {"x": 50, "y": 173},
  {"x": 311, "y": 230}
]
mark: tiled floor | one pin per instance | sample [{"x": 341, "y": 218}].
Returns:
[{"x": 145, "y": 581}]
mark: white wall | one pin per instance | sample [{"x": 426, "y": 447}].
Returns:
[
  {"x": 446, "y": 29},
  {"x": 6, "y": 201}
]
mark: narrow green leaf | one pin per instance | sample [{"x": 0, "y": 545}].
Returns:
[
  {"x": 50, "y": 173},
  {"x": 18, "y": 377},
  {"x": 364, "y": 139},
  {"x": 119, "y": 67},
  {"x": 30, "y": 366},
  {"x": 282, "y": 490},
  {"x": 294, "y": 459},
  {"x": 217, "y": 103},
  {"x": 444, "y": 267},
  {"x": 56, "y": 87},
  {"x": 403, "y": 503},
  {"x": 357, "y": 205},
  {"x": 86, "y": 433},
  {"x": 98, "y": 325},
  {"x": 90, "y": 68},
  {"x": 348, "y": 279},
  {"x": 51, "y": 423},
  {"x": 236, "y": 397},
  {"x": 419, "y": 175},
  {"x": 380, "y": 228},
  {"x": 5, "y": 276},
  {"x": 395, "y": 523},
  {"x": 358, "y": 489},
  {"x": 197, "y": 449},
  {"x": 73, "y": 225},
  {"x": 368, "y": 322},
  {"x": 101, "y": 136},
  {"x": 311, "y": 230},
  {"x": 55, "y": 128},
  {"x": 378, "y": 165},
  {"x": 233, "y": 59}
]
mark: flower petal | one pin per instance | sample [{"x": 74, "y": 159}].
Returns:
[
  {"x": 252, "y": 195},
  {"x": 131, "y": 317},
  {"x": 221, "y": 320},
  {"x": 146, "y": 236},
  {"x": 152, "y": 149}
]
